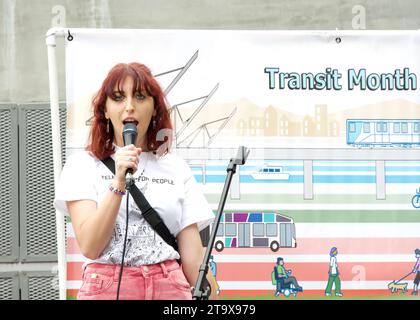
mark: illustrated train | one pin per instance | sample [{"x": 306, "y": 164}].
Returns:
[{"x": 383, "y": 132}]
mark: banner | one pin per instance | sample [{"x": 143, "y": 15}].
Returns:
[{"x": 333, "y": 123}]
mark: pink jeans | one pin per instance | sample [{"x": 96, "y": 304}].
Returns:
[{"x": 161, "y": 281}]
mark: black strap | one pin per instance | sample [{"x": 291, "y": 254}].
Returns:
[{"x": 149, "y": 214}]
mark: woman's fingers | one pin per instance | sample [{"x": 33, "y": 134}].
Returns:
[
  {"x": 126, "y": 158},
  {"x": 127, "y": 161}
]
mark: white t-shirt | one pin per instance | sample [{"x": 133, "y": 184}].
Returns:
[
  {"x": 333, "y": 265},
  {"x": 167, "y": 183}
]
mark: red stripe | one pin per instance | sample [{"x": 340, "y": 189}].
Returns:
[
  {"x": 315, "y": 294},
  {"x": 303, "y": 271},
  {"x": 316, "y": 271},
  {"x": 74, "y": 270},
  {"x": 318, "y": 246},
  {"x": 269, "y": 294}
]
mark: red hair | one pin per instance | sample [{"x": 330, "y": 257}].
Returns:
[{"x": 100, "y": 140}]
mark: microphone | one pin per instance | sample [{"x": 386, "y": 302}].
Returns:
[{"x": 129, "y": 137}]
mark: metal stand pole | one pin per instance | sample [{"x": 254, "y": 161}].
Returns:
[{"x": 202, "y": 288}]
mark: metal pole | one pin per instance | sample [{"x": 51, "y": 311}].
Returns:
[
  {"x": 202, "y": 289},
  {"x": 56, "y": 142}
]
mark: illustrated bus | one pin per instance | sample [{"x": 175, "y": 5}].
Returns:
[
  {"x": 383, "y": 132},
  {"x": 255, "y": 229}
]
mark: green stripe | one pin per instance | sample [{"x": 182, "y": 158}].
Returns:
[
  {"x": 318, "y": 199},
  {"x": 319, "y": 216},
  {"x": 325, "y": 216},
  {"x": 322, "y": 216}
]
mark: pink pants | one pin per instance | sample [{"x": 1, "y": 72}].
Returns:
[{"x": 161, "y": 281}]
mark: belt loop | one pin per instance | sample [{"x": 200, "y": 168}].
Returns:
[
  {"x": 164, "y": 270},
  {"x": 84, "y": 272}
]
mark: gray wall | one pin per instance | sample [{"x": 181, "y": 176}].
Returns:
[{"x": 23, "y": 23}]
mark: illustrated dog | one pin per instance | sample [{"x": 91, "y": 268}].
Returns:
[{"x": 394, "y": 287}]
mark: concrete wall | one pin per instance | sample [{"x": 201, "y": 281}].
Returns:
[{"x": 23, "y": 23}]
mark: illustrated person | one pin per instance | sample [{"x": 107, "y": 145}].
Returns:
[
  {"x": 284, "y": 276},
  {"x": 333, "y": 275},
  {"x": 416, "y": 271},
  {"x": 95, "y": 199},
  {"x": 213, "y": 268}
]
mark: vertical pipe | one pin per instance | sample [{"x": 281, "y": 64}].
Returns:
[
  {"x": 380, "y": 180},
  {"x": 308, "y": 192},
  {"x": 56, "y": 142}
]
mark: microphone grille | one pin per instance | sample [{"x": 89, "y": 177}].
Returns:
[{"x": 130, "y": 127}]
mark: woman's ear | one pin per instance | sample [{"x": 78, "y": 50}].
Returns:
[{"x": 154, "y": 112}]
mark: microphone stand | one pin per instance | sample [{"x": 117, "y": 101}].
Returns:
[{"x": 202, "y": 288}]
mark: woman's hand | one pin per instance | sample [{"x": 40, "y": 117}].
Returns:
[{"x": 125, "y": 158}]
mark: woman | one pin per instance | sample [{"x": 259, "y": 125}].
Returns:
[
  {"x": 96, "y": 200},
  {"x": 333, "y": 275}
]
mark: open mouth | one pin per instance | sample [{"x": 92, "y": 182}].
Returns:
[{"x": 130, "y": 121}]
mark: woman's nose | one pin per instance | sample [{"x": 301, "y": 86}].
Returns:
[{"x": 129, "y": 104}]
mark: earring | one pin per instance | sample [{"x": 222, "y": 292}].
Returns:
[
  {"x": 154, "y": 122},
  {"x": 107, "y": 126}
]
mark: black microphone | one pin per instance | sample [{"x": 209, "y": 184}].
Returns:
[{"x": 129, "y": 137}]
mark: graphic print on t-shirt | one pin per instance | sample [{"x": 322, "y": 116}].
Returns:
[{"x": 144, "y": 245}]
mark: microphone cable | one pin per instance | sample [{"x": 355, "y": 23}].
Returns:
[{"x": 127, "y": 187}]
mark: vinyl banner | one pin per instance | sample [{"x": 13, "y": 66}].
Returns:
[{"x": 331, "y": 189}]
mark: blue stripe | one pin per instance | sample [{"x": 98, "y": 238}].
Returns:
[
  {"x": 316, "y": 179},
  {"x": 288, "y": 169},
  {"x": 344, "y": 179},
  {"x": 246, "y": 168},
  {"x": 402, "y": 179},
  {"x": 344, "y": 168},
  {"x": 402, "y": 169}
]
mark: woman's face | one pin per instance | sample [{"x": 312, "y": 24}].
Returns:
[{"x": 126, "y": 106}]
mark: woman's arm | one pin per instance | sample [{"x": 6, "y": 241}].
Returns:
[
  {"x": 93, "y": 224},
  {"x": 192, "y": 254}
]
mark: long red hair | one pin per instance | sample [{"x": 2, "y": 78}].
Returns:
[{"x": 100, "y": 141}]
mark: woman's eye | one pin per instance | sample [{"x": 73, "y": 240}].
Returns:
[
  {"x": 139, "y": 96},
  {"x": 117, "y": 97}
]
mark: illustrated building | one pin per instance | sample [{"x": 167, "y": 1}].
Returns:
[
  {"x": 270, "y": 123},
  {"x": 321, "y": 120},
  {"x": 277, "y": 123}
]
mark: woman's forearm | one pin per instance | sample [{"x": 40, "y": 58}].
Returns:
[{"x": 94, "y": 232}]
